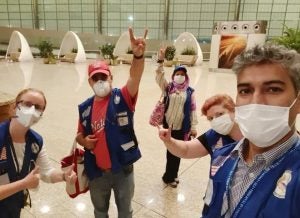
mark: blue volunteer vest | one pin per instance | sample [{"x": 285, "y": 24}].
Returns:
[
  {"x": 34, "y": 143},
  {"x": 267, "y": 196},
  {"x": 210, "y": 138},
  {"x": 120, "y": 136}
]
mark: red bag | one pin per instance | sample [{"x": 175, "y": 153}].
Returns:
[
  {"x": 158, "y": 113},
  {"x": 81, "y": 185}
]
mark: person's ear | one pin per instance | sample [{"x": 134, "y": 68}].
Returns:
[
  {"x": 298, "y": 102},
  {"x": 12, "y": 109},
  {"x": 90, "y": 81}
]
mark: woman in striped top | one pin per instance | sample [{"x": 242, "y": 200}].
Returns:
[{"x": 180, "y": 113}]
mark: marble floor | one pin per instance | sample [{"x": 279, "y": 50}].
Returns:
[{"x": 65, "y": 86}]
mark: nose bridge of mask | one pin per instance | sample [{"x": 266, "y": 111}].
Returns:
[
  {"x": 31, "y": 110},
  {"x": 28, "y": 110},
  {"x": 222, "y": 118},
  {"x": 102, "y": 83}
]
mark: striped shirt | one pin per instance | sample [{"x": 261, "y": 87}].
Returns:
[
  {"x": 245, "y": 173},
  {"x": 174, "y": 114}
]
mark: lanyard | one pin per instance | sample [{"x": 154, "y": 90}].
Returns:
[
  {"x": 27, "y": 197},
  {"x": 253, "y": 186},
  {"x": 12, "y": 147}
]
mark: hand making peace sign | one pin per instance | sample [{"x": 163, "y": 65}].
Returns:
[{"x": 138, "y": 45}]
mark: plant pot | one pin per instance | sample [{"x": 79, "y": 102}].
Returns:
[
  {"x": 49, "y": 60},
  {"x": 187, "y": 59},
  {"x": 14, "y": 56},
  {"x": 113, "y": 62},
  {"x": 168, "y": 63},
  {"x": 107, "y": 61},
  {"x": 69, "y": 57}
]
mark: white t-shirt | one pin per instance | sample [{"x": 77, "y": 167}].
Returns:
[{"x": 45, "y": 168}]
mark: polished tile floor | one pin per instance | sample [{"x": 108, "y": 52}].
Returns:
[{"x": 65, "y": 86}]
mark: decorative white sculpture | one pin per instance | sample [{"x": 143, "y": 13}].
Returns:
[
  {"x": 122, "y": 47},
  {"x": 18, "y": 48},
  {"x": 185, "y": 40},
  {"x": 70, "y": 42}
]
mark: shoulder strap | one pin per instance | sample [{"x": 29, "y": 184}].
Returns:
[{"x": 166, "y": 95}]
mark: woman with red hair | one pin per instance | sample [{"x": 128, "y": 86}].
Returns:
[{"x": 219, "y": 110}]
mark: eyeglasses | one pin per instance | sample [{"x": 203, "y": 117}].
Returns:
[
  {"x": 30, "y": 104},
  {"x": 99, "y": 76}
]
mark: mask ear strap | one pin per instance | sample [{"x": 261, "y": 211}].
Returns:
[{"x": 297, "y": 98}]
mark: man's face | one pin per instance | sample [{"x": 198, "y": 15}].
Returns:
[{"x": 267, "y": 84}]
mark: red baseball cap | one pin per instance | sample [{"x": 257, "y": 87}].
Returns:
[{"x": 98, "y": 67}]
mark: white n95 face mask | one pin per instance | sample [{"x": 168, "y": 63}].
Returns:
[
  {"x": 263, "y": 125},
  {"x": 27, "y": 116},
  {"x": 222, "y": 124},
  {"x": 101, "y": 88},
  {"x": 179, "y": 79}
]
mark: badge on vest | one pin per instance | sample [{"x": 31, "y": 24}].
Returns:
[
  {"x": 209, "y": 192},
  {"x": 122, "y": 118},
  {"x": 128, "y": 145},
  {"x": 3, "y": 156},
  {"x": 35, "y": 148},
  {"x": 117, "y": 99},
  {"x": 217, "y": 163},
  {"x": 86, "y": 112},
  {"x": 282, "y": 184}
]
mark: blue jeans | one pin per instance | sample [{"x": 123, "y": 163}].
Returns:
[{"x": 122, "y": 183}]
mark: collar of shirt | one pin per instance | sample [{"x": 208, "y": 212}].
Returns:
[{"x": 269, "y": 156}]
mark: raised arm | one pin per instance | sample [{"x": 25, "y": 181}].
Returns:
[
  {"x": 160, "y": 75},
  {"x": 138, "y": 46},
  {"x": 182, "y": 149}
]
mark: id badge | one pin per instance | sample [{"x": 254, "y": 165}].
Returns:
[
  {"x": 209, "y": 192},
  {"x": 122, "y": 119}
]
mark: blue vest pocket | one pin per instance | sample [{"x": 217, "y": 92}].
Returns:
[{"x": 130, "y": 156}]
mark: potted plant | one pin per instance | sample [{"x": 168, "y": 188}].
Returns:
[
  {"x": 289, "y": 39},
  {"x": 188, "y": 56},
  {"x": 107, "y": 51},
  {"x": 74, "y": 50},
  {"x": 72, "y": 55},
  {"x": 169, "y": 55},
  {"x": 46, "y": 52}
]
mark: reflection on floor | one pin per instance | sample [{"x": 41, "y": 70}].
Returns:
[{"x": 65, "y": 86}]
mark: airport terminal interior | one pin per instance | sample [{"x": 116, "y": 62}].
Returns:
[{"x": 87, "y": 25}]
